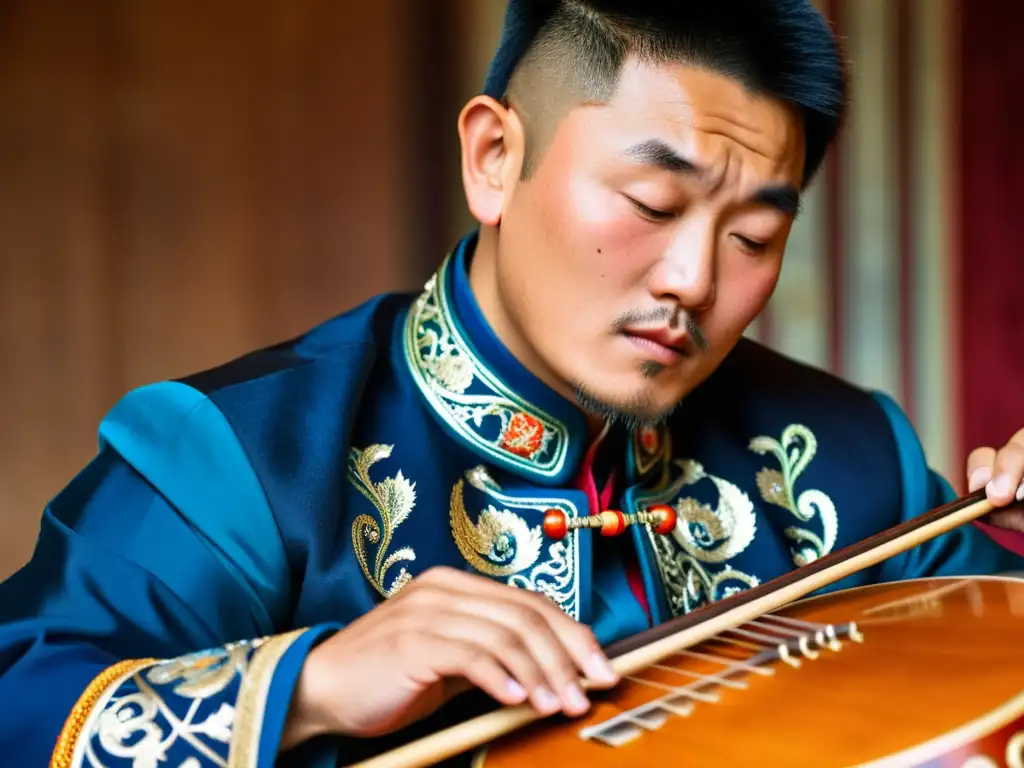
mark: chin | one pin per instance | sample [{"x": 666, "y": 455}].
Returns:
[{"x": 643, "y": 404}]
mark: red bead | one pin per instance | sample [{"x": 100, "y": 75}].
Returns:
[
  {"x": 668, "y": 516},
  {"x": 614, "y": 522},
  {"x": 556, "y": 524}
]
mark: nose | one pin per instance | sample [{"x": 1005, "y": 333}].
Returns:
[{"x": 686, "y": 271}]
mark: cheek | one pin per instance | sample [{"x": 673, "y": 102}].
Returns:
[
  {"x": 601, "y": 213},
  {"x": 743, "y": 294},
  {"x": 578, "y": 253},
  {"x": 607, "y": 235}
]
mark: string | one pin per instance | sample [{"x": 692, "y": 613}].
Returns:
[
  {"x": 718, "y": 680},
  {"x": 685, "y": 690},
  {"x": 728, "y": 663}
]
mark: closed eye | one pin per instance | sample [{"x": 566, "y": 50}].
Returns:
[
  {"x": 650, "y": 213},
  {"x": 754, "y": 246}
]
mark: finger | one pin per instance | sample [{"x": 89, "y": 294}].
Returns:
[
  {"x": 543, "y": 646},
  {"x": 511, "y": 650},
  {"x": 577, "y": 639},
  {"x": 447, "y": 658},
  {"x": 1008, "y": 474},
  {"x": 979, "y": 468},
  {"x": 1018, "y": 438}
]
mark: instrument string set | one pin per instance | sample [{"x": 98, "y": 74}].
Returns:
[{"x": 771, "y": 638}]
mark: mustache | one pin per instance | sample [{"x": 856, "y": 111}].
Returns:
[{"x": 662, "y": 314}]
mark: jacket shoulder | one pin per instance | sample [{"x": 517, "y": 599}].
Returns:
[
  {"x": 757, "y": 391},
  {"x": 755, "y": 372},
  {"x": 347, "y": 343}
]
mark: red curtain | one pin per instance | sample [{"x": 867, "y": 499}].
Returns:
[{"x": 990, "y": 159}]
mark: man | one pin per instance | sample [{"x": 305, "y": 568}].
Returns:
[{"x": 362, "y": 498}]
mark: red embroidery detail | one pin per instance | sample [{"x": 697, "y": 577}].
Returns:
[
  {"x": 524, "y": 436},
  {"x": 649, "y": 439}
]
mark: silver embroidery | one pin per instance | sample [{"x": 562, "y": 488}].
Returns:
[
  {"x": 504, "y": 546},
  {"x": 692, "y": 561},
  {"x": 794, "y": 452},
  {"x": 140, "y": 727},
  {"x": 473, "y": 402}
]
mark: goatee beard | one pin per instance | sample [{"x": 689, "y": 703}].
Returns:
[{"x": 636, "y": 413}]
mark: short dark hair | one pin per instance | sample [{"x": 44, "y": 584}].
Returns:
[{"x": 783, "y": 49}]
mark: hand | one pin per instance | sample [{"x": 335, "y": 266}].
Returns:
[
  {"x": 1001, "y": 473},
  {"x": 444, "y": 633}
]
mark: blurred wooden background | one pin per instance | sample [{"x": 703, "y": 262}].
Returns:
[{"x": 183, "y": 182}]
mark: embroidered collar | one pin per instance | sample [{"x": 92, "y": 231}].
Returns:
[{"x": 485, "y": 398}]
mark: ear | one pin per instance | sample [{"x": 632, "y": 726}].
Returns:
[{"x": 492, "y": 157}]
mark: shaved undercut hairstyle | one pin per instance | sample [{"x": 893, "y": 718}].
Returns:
[{"x": 556, "y": 54}]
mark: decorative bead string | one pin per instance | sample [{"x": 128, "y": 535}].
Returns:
[{"x": 661, "y": 517}]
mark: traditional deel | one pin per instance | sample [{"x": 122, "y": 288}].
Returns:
[{"x": 305, "y": 484}]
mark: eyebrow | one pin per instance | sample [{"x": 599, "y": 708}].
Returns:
[
  {"x": 657, "y": 153},
  {"x": 781, "y": 197}
]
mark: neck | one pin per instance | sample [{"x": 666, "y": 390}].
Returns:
[{"x": 483, "y": 279}]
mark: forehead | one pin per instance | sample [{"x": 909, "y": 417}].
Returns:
[{"x": 710, "y": 118}]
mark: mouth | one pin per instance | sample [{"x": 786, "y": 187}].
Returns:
[{"x": 661, "y": 344}]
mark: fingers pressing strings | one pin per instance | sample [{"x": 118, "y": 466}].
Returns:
[
  {"x": 577, "y": 638},
  {"x": 543, "y": 651}
]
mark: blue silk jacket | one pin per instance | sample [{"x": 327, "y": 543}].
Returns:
[{"x": 232, "y": 520}]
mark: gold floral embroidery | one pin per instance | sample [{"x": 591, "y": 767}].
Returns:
[
  {"x": 713, "y": 536},
  {"x": 692, "y": 561},
  {"x": 394, "y": 498},
  {"x": 500, "y": 544},
  {"x": 794, "y": 452},
  {"x": 471, "y": 400},
  {"x": 690, "y": 584},
  {"x": 503, "y": 545}
]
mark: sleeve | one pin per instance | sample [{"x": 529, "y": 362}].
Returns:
[
  {"x": 968, "y": 550},
  {"x": 150, "y": 625}
]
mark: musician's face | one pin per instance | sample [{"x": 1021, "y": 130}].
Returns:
[{"x": 672, "y": 202}]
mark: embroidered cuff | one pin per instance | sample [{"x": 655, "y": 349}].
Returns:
[{"x": 221, "y": 707}]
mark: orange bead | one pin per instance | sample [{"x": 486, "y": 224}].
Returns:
[
  {"x": 613, "y": 523},
  {"x": 668, "y": 518},
  {"x": 556, "y": 524}
]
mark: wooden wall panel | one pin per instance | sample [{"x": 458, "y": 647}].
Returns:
[{"x": 180, "y": 183}]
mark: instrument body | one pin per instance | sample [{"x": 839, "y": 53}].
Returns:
[{"x": 936, "y": 680}]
